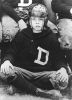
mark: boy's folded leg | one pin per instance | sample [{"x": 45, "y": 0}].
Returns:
[
  {"x": 57, "y": 84},
  {"x": 22, "y": 84},
  {"x": 27, "y": 87},
  {"x": 51, "y": 94},
  {"x": 5, "y": 86}
]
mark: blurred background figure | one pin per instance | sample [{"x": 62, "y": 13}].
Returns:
[
  {"x": 51, "y": 16},
  {"x": 51, "y": 13},
  {"x": 65, "y": 38},
  {"x": 63, "y": 8}
]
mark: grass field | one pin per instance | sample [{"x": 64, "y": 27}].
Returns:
[
  {"x": 5, "y": 96},
  {"x": 18, "y": 97},
  {"x": 26, "y": 97}
]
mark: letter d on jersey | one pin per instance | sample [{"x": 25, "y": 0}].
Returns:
[
  {"x": 23, "y": 4},
  {"x": 38, "y": 60}
]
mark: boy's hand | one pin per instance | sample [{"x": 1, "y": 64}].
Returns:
[
  {"x": 62, "y": 75},
  {"x": 22, "y": 25},
  {"x": 7, "y": 67}
]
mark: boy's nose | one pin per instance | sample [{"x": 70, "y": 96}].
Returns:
[{"x": 37, "y": 20}]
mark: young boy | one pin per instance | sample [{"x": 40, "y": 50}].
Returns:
[{"x": 34, "y": 60}]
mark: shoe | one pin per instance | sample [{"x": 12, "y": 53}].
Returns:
[
  {"x": 10, "y": 90},
  {"x": 51, "y": 94}
]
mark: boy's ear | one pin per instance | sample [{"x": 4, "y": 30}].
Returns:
[{"x": 30, "y": 22}]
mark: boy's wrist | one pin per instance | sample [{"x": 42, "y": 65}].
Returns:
[
  {"x": 6, "y": 61},
  {"x": 63, "y": 69}
]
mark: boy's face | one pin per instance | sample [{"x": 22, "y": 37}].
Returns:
[{"x": 37, "y": 24}]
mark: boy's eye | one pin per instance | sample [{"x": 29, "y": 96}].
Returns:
[
  {"x": 41, "y": 18},
  {"x": 33, "y": 18}
]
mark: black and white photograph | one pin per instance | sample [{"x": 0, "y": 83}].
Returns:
[{"x": 36, "y": 49}]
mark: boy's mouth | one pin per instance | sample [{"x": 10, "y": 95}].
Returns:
[{"x": 37, "y": 26}]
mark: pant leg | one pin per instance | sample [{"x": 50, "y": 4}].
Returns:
[
  {"x": 47, "y": 80},
  {"x": 39, "y": 80},
  {"x": 24, "y": 81},
  {"x": 29, "y": 81},
  {"x": 25, "y": 85},
  {"x": 42, "y": 80},
  {"x": 20, "y": 79}
]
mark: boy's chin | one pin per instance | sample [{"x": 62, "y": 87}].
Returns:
[{"x": 37, "y": 31}]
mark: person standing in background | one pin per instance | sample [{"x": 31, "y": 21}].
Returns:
[
  {"x": 63, "y": 8},
  {"x": 52, "y": 14}
]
